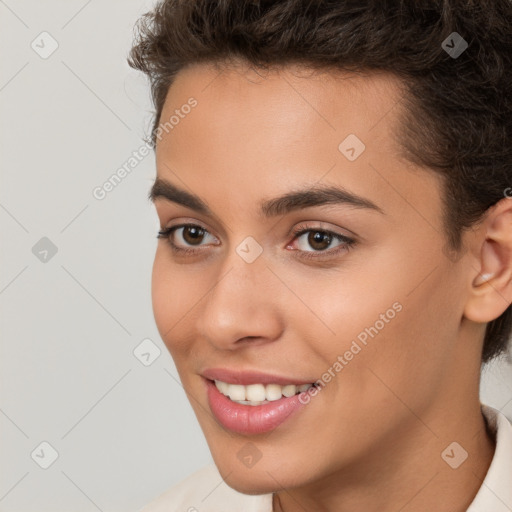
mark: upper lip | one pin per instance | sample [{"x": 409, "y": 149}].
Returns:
[{"x": 247, "y": 377}]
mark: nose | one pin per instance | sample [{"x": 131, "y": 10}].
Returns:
[{"x": 242, "y": 307}]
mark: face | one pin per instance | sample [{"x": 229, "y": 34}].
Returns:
[{"x": 349, "y": 289}]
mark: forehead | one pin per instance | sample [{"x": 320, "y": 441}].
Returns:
[
  {"x": 281, "y": 106},
  {"x": 337, "y": 99},
  {"x": 258, "y": 131},
  {"x": 278, "y": 110}
]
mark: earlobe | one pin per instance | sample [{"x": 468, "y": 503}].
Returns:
[{"x": 489, "y": 296}]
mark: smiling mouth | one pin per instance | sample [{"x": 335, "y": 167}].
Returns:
[
  {"x": 256, "y": 408},
  {"x": 259, "y": 394}
]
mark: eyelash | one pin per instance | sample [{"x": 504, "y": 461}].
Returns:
[{"x": 347, "y": 243}]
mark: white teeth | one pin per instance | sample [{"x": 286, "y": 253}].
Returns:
[
  {"x": 236, "y": 392},
  {"x": 222, "y": 387},
  {"x": 248, "y": 402},
  {"x": 289, "y": 390},
  {"x": 273, "y": 392},
  {"x": 256, "y": 394}
]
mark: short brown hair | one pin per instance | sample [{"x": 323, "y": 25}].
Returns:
[{"x": 458, "y": 110}]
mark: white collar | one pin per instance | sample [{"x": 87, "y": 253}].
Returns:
[{"x": 495, "y": 493}]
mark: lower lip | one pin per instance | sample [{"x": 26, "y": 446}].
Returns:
[{"x": 251, "y": 419}]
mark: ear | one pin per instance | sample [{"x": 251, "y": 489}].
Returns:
[{"x": 490, "y": 280}]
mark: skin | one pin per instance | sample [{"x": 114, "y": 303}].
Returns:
[{"x": 373, "y": 436}]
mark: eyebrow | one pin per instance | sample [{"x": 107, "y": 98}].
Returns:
[{"x": 306, "y": 198}]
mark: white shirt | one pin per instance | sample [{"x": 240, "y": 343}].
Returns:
[{"x": 205, "y": 491}]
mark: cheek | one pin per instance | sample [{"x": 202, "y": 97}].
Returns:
[
  {"x": 408, "y": 358},
  {"x": 375, "y": 322},
  {"x": 159, "y": 292},
  {"x": 173, "y": 296}
]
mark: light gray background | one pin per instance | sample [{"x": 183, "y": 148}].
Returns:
[{"x": 124, "y": 432}]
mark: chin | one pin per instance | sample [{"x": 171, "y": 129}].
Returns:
[
  {"x": 260, "y": 479},
  {"x": 253, "y": 483}
]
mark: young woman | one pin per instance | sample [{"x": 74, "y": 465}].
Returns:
[{"x": 334, "y": 263}]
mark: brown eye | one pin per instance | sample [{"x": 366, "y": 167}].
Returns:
[
  {"x": 193, "y": 234},
  {"x": 185, "y": 238},
  {"x": 319, "y": 240}
]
